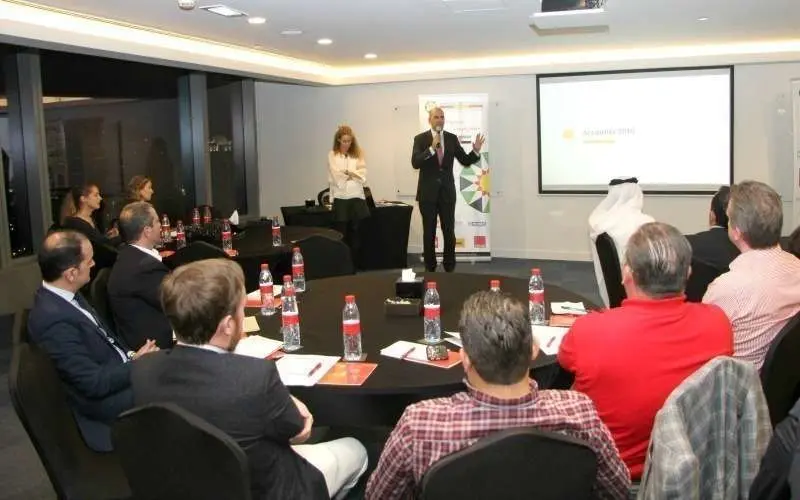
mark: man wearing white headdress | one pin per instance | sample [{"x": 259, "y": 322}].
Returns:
[{"x": 619, "y": 215}]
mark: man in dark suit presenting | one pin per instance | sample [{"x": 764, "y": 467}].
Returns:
[
  {"x": 433, "y": 155},
  {"x": 135, "y": 281},
  {"x": 91, "y": 361}
]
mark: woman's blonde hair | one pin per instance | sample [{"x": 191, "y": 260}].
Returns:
[
  {"x": 355, "y": 150},
  {"x": 135, "y": 186}
]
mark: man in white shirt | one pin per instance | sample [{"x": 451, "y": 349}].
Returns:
[
  {"x": 135, "y": 280},
  {"x": 619, "y": 215}
]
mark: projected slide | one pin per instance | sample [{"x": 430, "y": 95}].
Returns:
[{"x": 671, "y": 129}]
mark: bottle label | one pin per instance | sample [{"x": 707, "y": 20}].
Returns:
[
  {"x": 537, "y": 297},
  {"x": 431, "y": 312},
  {"x": 181, "y": 236},
  {"x": 290, "y": 319},
  {"x": 297, "y": 269},
  {"x": 351, "y": 327},
  {"x": 266, "y": 294},
  {"x": 276, "y": 230},
  {"x": 226, "y": 235},
  {"x": 195, "y": 219}
]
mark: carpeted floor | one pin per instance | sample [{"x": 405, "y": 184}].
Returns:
[{"x": 22, "y": 476}]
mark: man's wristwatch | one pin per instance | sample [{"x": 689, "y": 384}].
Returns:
[{"x": 131, "y": 355}]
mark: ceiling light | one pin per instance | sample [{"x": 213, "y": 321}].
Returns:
[
  {"x": 256, "y": 20},
  {"x": 291, "y": 32},
  {"x": 324, "y": 41},
  {"x": 223, "y": 10},
  {"x": 370, "y": 56},
  {"x": 703, "y": 19}
]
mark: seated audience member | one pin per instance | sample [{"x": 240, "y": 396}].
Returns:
[
  {"x": 629, "y": 359},
  {"x": 77, "y": 211},
  {"x": 773, "y": 479},
  {"x": 713, "y": 247},
  {"x": 761, "y": 292},
  {"x": 498, "y": 345},
  {"x": 793, "y": 243},
  {"x": 240, "y": 395},
  {"x": 91, "y": 361},
  {"x": 618, "y": 215},
  {"x": 134, "y": 285}
]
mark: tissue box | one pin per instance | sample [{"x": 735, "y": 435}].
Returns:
[
  {"x": 410, "y": 289},
  {"x": 402, "y": 307}
]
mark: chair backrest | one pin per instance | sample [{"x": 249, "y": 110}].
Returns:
[
  {"x": 324, "y": 196},
  {"x": 515, "y": 463},
  {"x": 40, "y": 401},
  {"x": 780, "y": 373},
  {"x": 99, "y": 297},
  {"x": 325, "y": 257},
  {"x": 702, "y": 276},
  {"x": 612, "y": 271},
  {"x": 168, "y": 452},
  {"x": 197, "y": 250},
  {"x": 19, "y": 332}
]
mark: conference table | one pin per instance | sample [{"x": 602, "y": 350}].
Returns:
[
  {"x": 394, "y": 384},
  {"x": 383, "y": 235}
]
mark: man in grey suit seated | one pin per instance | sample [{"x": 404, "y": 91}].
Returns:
[{"x": 241, "y": 395}]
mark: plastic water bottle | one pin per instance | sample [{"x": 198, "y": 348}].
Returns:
[
  {"x": 227, "y": 241},
  {"x": 536, "y": 297},
  {"x": 494, "y": 285},
  {"x": 298, "y": 271},
  {"x": 196, "y": 217},
  {"x": 351, "y": 329},
  {"x": 290, "y": 316},
  {"x": 206, "y": 215},
  {"x": 166, "y": 235},
  {"x": 265, "y": 287},
  {"x": 432, "y": 322},
  {"x": 180, "y": 235},
  {"x": 276, "y": 232}
]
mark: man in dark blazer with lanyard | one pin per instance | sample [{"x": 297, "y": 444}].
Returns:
[
  {"x": 93, "y": 364},
  {"x": 433, "y": 155}
]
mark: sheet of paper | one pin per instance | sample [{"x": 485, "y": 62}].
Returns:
[
  {"x": 405, "y": 350},
  {"x": 257, "y": 346},
  {"x": 567, "y": 308},
  {"x": 453, "y": 334},
  {"x": 304, "y": 369},
  {"x": 549, "y": 338},
  {"x": 455, "y": 341},
  {"x": 250, "y": 324}
]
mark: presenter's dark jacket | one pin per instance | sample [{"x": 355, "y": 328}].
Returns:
[
  {"x": 713, "y": 247},
  {"x": 96, "y": 378},
  {"x": 432, "y": 176},
  {"x": 134, "y": 288},
  {"x": 245, "y": 398}
]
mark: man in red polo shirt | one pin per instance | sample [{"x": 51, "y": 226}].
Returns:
[{"x": 629, "y": 359}]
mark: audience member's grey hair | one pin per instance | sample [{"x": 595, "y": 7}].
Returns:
[
  {"x": 496, "y": 332},
  {"x": 134, "y": 218},
  {"x": 659, "y": 257},
  {"x": 755, "y": 209}
]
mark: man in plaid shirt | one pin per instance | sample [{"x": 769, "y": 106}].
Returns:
[{"x": 496, "y": 333}]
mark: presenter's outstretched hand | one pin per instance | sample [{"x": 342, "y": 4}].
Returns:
[
  {"x": 478, "y": 144},
  {"x": 436, "y": 141}
]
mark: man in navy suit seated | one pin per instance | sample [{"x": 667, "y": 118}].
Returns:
[{"x": 91, "y": 361}]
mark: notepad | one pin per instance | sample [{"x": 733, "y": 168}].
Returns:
[
  {"x": 257, "y": 346},
  {"x": 410, "y": 351},
  {"x": 304, "y": 369},
  {"x": 549, "y": 338},
  {"x": 250, "y": 325},
  {"x": 568, "y": 308}
]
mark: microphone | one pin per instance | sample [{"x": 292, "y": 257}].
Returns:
[{"x": 441, "y": 138}]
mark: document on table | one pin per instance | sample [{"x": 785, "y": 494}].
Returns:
[
  {"x": 576, "y": 308},
  {"x": 549, "y": 338},
  {"x": 406, "y": 350},
  {"x": 250, "y": 324},
  {"x": 257, "y": 346},
  {"x": 304, "y": 369},
  {"x": 454, "y": 338}
]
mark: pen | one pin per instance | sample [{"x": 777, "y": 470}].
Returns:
[
  {"x": 314, "y": 370},
  {"x": 404, "y": 356},
  {"x": 552, "y": 339}
]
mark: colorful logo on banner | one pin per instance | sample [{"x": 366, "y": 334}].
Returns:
[{"x": 474, "y": 184}]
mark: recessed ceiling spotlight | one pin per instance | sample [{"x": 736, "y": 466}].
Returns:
[
  {"x": 256, "y": 20},
  {"x": 324, "y": 41},
  {"x": 703, "y": 19},
  {"x": 370, "y": 56},
  {"x": 223, "y": 10},
  {"x": 291, "y": 32}
]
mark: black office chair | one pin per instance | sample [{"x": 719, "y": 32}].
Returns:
[
  {"x": 197, "y": 250},
  {"x": 780, "y": 373},
  {"x": 76, "y": 471},
  {"x": 19, "y": 332},
  {"x": 325, "y": 257},
  {"x": 168, "y": 452},
  {"x": 519, "y": 463},
  {"x": 612, "y": 271},
  {"x": 702, "y": 275},
  {"x": 99, "y": 297},
  {"x": 324, "y": 197}
]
